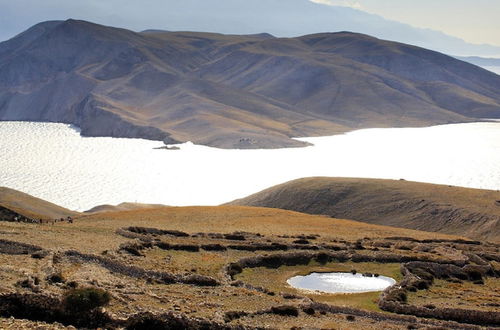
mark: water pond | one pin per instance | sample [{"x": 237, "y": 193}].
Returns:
[{"x": 341, "y": 282}]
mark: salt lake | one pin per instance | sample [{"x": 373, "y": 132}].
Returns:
[{"x": 53, "y": 162}]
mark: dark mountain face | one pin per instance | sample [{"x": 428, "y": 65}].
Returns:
[{"x": 250, "y": 91}]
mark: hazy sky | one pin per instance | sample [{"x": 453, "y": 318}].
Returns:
[{"x": 476, "y": 21}]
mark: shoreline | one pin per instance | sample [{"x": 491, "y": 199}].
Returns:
[
  {"x": 80, "y": 173},
  {"x": 296, "y": 138}
]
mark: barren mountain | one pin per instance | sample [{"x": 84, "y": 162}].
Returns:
[
  {"x": 468, "y": 212},
  {"x": 230, "y": 91}
]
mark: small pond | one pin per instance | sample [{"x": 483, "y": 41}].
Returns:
[{"x": 341, "y": 282}]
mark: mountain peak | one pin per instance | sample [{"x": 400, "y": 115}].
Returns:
[{"x": 234, "y": 91}]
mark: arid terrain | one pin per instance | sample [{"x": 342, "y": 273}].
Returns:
[
  {"x": 233, "y": 91},
  {"x": 14, "y": 203},
  {"x": 227, "y": 266},
  {"x": 124, "y": 129},
  {"x": 474, "y": 213}
]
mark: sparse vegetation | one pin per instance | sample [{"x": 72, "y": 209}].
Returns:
[
  {"x": 231, "y": 282},
  {"x": 83, "y": 300},
  {"x": 56, "y": 277},
  {"x": 285, "y": 310}
]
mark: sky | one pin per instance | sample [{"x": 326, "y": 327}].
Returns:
[{"x": 476, "y": 21}]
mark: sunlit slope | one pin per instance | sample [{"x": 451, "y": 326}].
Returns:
[
  {"x": 31, "y": 207},
  {"x": 473, "y": 213},
  {"x": 100, "y": 228},
  {"x": 122, "y": 207},
  {"x": 233, "y": 91},
  {"x": 212, "y": 262}
]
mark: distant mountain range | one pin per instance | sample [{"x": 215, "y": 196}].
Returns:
[
  {"x": 480, "y": 61},
  {"x": 292, "y": 18},
  {"x": 232, "y": 91},
  {"x": 282, "y": 18},
  {"x": 492, "y": 64}
]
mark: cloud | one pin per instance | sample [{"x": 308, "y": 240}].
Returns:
[{"x": 342, "y": 3}]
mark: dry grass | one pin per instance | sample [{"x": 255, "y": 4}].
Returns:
[
  {"x": 98, "y": 230},
  {"x": 466, "y": 295},
  {"x": 474, "y": 213},
  {"x": 30, "y": 206},
  {"x": 96, "y": 234},
  {"x": 28, "y": 325}
]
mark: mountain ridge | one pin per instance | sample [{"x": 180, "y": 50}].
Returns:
[
  {"x": 281, "y": 18},
  {"x": 473, "y": 213},
  {"x": 233, "y": 91}
]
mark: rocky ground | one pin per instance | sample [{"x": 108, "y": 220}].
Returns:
[{"x": 226, "y": 267}]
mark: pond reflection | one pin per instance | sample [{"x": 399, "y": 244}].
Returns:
[{"x": 341, "y": 282}]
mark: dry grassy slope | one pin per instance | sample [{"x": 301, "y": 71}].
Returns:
[
  {"x": 122, "y": 207},
  {"x": 97, "y": 234},
  {"x": 30, "y": 206},
  {"x": 98, "y": 229},
  {"x": 469, "y": 212},
  {"x": 231, "y": 91},
  {"x": 99, "y": 224}
]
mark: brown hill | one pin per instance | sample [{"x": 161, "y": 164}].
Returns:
[
  {"x": 123, "y": 207},
  {"x": 13, "y": 203},
  {"x": 473, "y": 213},
  {"x": 230, "y": 91}
]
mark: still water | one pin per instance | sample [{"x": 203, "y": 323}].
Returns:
[
  {"x": 53, "y": 162},
  {"x": 340, "y": 282}
]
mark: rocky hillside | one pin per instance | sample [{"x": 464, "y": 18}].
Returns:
[
  {"x": 460, "y": 211},
  {"x": 232, "y": 91}
]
